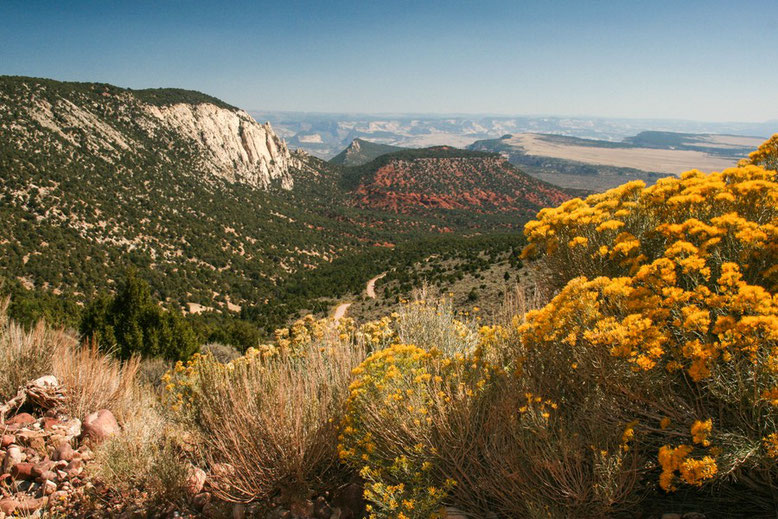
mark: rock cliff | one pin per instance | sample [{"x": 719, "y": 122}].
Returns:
[{"x": 233, "y": 145}]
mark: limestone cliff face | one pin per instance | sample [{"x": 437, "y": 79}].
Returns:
[
  {"x": 233, "y": 145},
  {"x": 202, "y": 135}
]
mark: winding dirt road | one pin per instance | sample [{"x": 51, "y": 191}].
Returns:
[
  {"x": 371, "y": 286},
  {"x": 341, "y": 309}
]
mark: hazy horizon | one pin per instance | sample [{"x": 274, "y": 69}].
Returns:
[
  {"x": 695, "y": 61},
  {"x": 444, "y": 115}
]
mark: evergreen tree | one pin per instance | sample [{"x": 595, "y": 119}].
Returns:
[{"x": 132, "y": 323}]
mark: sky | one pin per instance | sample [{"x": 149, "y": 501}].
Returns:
[{"x": 697, "y": 60}]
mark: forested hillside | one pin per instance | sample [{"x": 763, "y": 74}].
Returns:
[{"x": 94, "y": 182}]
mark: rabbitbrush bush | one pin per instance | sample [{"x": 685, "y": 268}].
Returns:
[
  {"x": 401, "y": 404},
  {"x": 669, "y": 319}
]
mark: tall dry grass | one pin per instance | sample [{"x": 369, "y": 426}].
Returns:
[
  {"x": 95, "y": 381},
  {"x": 91, "y": 380},
  {"x": 27, "y": 354}
]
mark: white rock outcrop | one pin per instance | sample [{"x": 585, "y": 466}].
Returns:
[{"x": 234, "y": 146}]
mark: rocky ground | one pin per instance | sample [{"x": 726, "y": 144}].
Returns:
[{"x": 43, "y": 457}]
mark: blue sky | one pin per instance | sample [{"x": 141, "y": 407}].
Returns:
[{"x": 714, "y": 60}]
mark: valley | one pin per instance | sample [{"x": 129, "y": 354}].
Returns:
[
  {"x": 381, "y": 260},
  {"x": 223, "y": 221}
]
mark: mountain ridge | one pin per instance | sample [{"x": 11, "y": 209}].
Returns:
[
  {"x": 198, "y": 196},
  {"x": 107, "y": 121}
]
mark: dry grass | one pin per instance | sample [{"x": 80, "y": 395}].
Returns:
[
  {"x": 27, "y": 354},
  {"x": 141, "y": 456},
  {"x": 274, "y": 421},
  {"x": 94, "y": 381}
]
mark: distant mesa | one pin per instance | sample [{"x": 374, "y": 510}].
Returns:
[
  {"x": 443, "y": 178},
  {"x": 361, "y": 152},
  {"x": 593, "y": 164}
]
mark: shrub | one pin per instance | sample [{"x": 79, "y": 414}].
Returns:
[
  {"x": 467, "y": 427},
  {"x": 766, "y": 155},
  {"x": 289, "y": 396},
  {"x": 730, "y": 215},
  {"x": 386, "y": 432},
  {"x": 221, "y": 352},
  {"x": 143, "y": 463},
  {"x": 398, "y": 426},
  {"x": 152, "y": 370},
  {"x": 527, "y": 457},
  {"x": 431, "y": 322},
  {"x": 681, "y": 339}
]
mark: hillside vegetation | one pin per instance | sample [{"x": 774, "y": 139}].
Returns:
[
  {"x": 94, "y": 180},
  {"x": 448, "y": 181},
  {"x": 646, "y": 385}
]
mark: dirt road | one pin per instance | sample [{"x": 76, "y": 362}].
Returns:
[
  {"x": 341, "y": 309},
  {"x": 371, "y": 286}
]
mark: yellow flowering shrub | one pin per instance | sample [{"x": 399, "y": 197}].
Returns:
[
  {"x": 386, "y": 427},
  {"x": 668, "y": 314},
  {"x": 766, "y": 155},
  {"x": 729, "y": 216},
  {"x": 398, "y": 405},
  {"x": 378, "y": 334},
  {"x": 308, "y": 330}
]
